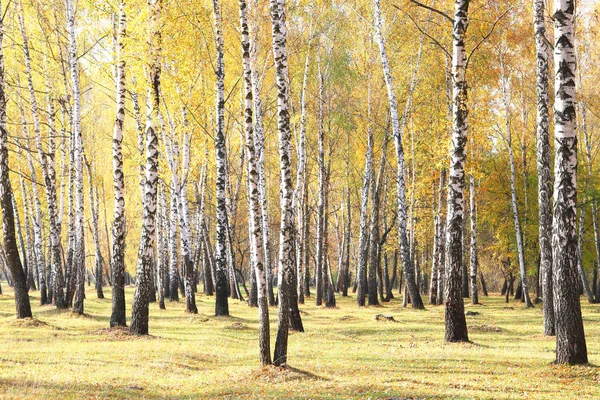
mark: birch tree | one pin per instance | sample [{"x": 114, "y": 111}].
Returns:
[
  {"x": 543, "y": 165},
  {"x": 513, "y": 191},
  {"x": 259, "y": 143},
  {"x": 255, "y": 220},
  {"x": 221, "y": 304},
  {"x": 438, "y": 241},
  {"x": 184, "y": 222},
  {"x": 321, "y": 262},
  {"x": 24, "y": 255},
  {"x": 581, "y": 272},
  {"x": 94, "y": 210},
  {"x": 286, "y": 238},
  {"x": 79, "y": 246},
  {"x": 162, "y": 258},
  {"x": 588, "y": 156},
  {"x": 32, "y": 272},
  {"x": 22, "y": 304},
  {"x": 302, "y": 182},
  {"x": 361, "y": 275},
  {"x": 118, "y": 315},
  {"x": 374, "y": 246},
  {"x": 473, "y": 248},
  {"x": 398, "y": 131},
  {"x": 139, "y": 309},
  {"x": 35, "y": 211},
  {"x": 456, "y": 325},
  {"x": 570, "y": 337}
]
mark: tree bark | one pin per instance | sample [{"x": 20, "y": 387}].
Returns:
[
  {"x": 118, "y": 315},
  {"x": 79, "y": 246},
  {"x": 22, "y": 304},
  {"x": 570, "y": 337},
  {"x": 286, "y": 245},
  {"x": 456, "y": 325},
  {"x": 221, "y": 304},
  {"x": 255, "y": 217},
  {"x": 140, "y": 306},
  {"x": 543, "y": 165}
]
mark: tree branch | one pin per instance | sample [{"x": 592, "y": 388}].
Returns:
[
  {"x": 486, "y": 36},
  {"x": 435, "y": 10},
  {"x": 435, "y": 41}
]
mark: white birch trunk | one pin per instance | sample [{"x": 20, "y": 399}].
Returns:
[
  {"x": 321, "y": 263},
  {"x": 255, "y": 217},
  {"x": 184, "y": 222},
  {"x": 543, "y": 165},
  {"x": 286, "y": 245},
  {"x": 398, "y": 132},
  {"x": 94, "y": 210},
  {"x": 118, "y": 316},
  {"x": 456, "y": 326},
  {"x": 11, "y": 254},
  {"x": 259, "y": 143},
  {"x": 570, "y": 338},
  {"x": 139, "y": 319},
  {"x": 513, "y": 190},
  {"x": 31, "y": 256},
  {"x": 301, "y": 183},
  {"x": 79, "y": 248},
  {"x": 361, "y": 274},
  {"x": 473, "y": 248},
  {"x": 161, "y": 247},
  {"x": 221, "y": 304}
]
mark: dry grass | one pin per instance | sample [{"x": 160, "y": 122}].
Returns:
[{"x": 344, "y": 353}]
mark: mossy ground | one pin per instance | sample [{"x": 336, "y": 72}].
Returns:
[{"x": 344, "y": 353}]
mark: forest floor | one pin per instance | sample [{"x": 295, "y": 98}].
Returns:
[{"x": 344, "y": 353}]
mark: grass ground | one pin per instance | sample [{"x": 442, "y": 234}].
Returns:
[{"x": 344, "y": 353}]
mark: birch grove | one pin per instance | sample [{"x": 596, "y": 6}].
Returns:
[{"x": 225, "y": 159}]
